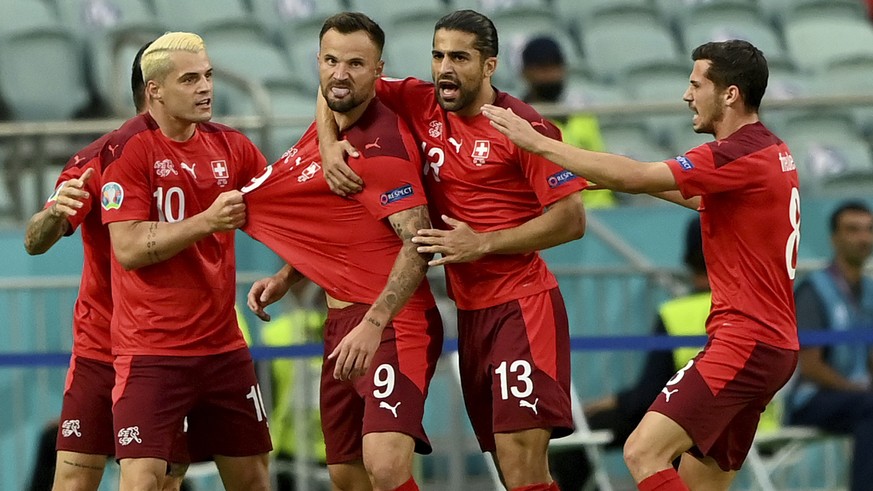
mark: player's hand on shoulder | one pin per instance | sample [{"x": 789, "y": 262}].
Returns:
[
  {"x": 71, "y": 196},
  {"x": 340, "y": 177},
  {"x": 516, "y": 128},
  {"x": 227, "y": 212}
]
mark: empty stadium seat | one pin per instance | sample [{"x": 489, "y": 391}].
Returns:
[
  {"x": 633, "y": 139},
  {"x": 819, "y": 36},
  {"x": 196, "y": 16},
  {"x": 723, "y": 21},
  {"x": 279, "y": 14},
  {"x": 615, "y": 41},
  {"x": 26, "y": 16},
  {"x": 850, "y": 77},
  {"x": 408, "y": 47},
  {"x": 386, "y": 11},
  {"x": 94, "y": 18},
  {"x": 43, "y": 75},
  {"x": 678, "y": 11}
]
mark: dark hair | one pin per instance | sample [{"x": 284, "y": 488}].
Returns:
[
  {"x": 472, "y": 22},
  {"x": 541, "y": 51},
  {"x": 739, "y": 63},
  {"x": 137, "y": 84},
  {"x": 349, "y": 22},
  {"x": 854, "y": 205},
  {"x": 693, "y": 256}
]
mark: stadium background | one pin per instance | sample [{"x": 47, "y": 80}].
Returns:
[{"x": 64, "y": 72}]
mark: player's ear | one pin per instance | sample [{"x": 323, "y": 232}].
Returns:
[
  {"x": 379, "y": 67},
  {"x": 153, "y": 90},
  {"x": 490, "y": 66}
]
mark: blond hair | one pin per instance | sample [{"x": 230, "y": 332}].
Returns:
[{"x": 156, "y": 62}]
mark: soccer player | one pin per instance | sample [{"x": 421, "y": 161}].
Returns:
[
  {"x": 490, "y": 197},
  {"x": 85, "y": 438},
  {"x": 383, "y": 333},
  {"x": 745, "y": 186},
  {"x": 170, "y": 201}
]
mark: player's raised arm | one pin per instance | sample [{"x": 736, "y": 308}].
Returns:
[
  {"x": 610, "y": 171},
  {"x": 139, "y": 243}
]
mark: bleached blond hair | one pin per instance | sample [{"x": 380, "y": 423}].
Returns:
[{"x": 156, "y": 62}]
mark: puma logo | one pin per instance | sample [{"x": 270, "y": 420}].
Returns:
[
  {"x": 393, "y": 409},
  {"x": 539, "y": 123},
  {"x": 456, "y": 144},
  {"x": 77, "y": 159},
  {"x": 112, "y": 149},
  {"x": 533, "y": 407},
  {"x": 667, "y": 393},
  {"x": 190, "y": 169},
  {"x": 375, "y": 144}
]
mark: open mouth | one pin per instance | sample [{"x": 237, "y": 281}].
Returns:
[
  {"x": 448, "y": 89},
  {"x": 340, "y": 91},
  {"x": 205, "y": 103}
]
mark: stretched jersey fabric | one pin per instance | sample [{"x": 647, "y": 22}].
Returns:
[
  {"x": 345, "y": 245},
  {"x": 750, "y": 222},
  {"x": 93, "y": 309},
  {"x": 182, "y": 306},
  {"x": 475, "y": 174}
]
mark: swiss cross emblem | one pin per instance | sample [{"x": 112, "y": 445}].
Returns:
[
  {"x": 481, "y": 151},
  {"x": 219, "y": 171}
]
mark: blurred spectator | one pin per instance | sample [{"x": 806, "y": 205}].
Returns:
[
  {"x": 834, "y": 388},
  {"x": 622, "y": 412},
  {"x": 545, "y": 74}
]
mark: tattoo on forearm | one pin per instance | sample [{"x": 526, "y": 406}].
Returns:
[
  {"x": 410, "y": 267},
  {"x": 44, "y": 231},
  {"x": 83, "y": 466},
  {"x": 374, "y": 322},
  {"x": 152, "y": 243}
]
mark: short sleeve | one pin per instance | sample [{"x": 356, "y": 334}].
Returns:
[
  {"x": 697, "y": 174},
  {"x": 126, "y": 193},
  {"x": 403, "y": 96},
  {"x": 393, "y": 185},
  {"x": 549, "y": 181}
]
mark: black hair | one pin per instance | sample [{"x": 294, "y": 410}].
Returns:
[
  {"x": 736, "y": 62},
  {"x": 472, "y": 22},
  {"x": 137, "y": 84},
  {"x": 349, "y": 22},
  {"x": 854, "y": 205}
]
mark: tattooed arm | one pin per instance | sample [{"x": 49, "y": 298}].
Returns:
[
  {"x": 355, "y": 352},
  {"x": 138, "y": 243}
]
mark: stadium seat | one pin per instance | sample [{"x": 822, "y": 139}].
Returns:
[
  {"x": 94, "y": 18},
  {"x": 490, "y": 7},
  {"x": 196, "y": 16},
  {"x": 279, "y": 14},
  {"x": 677, "y": 12},
  {"x": 386, "y": 11},
  {"x": 408, "y": 47},
  {"x": 300, "y": 41},
  {"x": 615, "y": 41},
  {"x": 26, "y": 16},
  {"x": 662, "y": 84},
  {"x": 829, "y": 151},
  {"x": 582, "y": 90},
  {"x": 817, "y": 37},
  {"x": 783, "y": 10},
  {"x": 576, "y": 11},
  {"x": 722, "y": 21},
  {"x": 850, "y": 77},
  {"x": 52, "y": 89}
]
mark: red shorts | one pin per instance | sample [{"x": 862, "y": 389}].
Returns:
[
  {"x": 718, "y": 397},
  {"x": 515, "y": 367},
  {"x": 86, "y": 414},
  {"x": 218, "y": 394},
  {"x": 390, "y": 397}
]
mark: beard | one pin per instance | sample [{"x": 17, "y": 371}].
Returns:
[
  {"x": 343, "y": 105},
  {"x": 465, "y": 96}
]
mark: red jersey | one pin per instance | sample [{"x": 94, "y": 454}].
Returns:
[
  {"x": 475, "y": 174},
  {"x": 750, "y": 222},
  {"x": 93, "y": 309},
  {"x": 182, "y": 306},
  {"x": 345, "y": 245}
]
